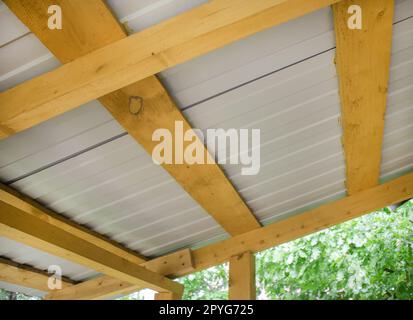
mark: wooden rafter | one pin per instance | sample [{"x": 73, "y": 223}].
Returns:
[
  {"x": 363, "y": 66},
  {"x": 193, "y": 33},
  {"x": 23, "y": 222},
  {"x": 26, "y": 276},
  {"x": 91, "y": 22},
  {"x": 292, "y": 228},
  {"x": 355, "y": 205},
  {"x": 96, "y": 289},
  {"x": 167, "y": 296},
  {"x": 306, "y": 223},
  {"x": 21, "y": 202},
  {"x": 105, "y": 286}
]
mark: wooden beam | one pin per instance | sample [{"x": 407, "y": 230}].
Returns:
[
  {"x": 95, "y": 289},
  {"x": 16, "y": 199},
  {"x": 305, "y": 223},
  {"x": 172, "y": 264},
  {"x": 206, "y": 183},
  {"x": 301, "y": 225},
  {"x": 91, "y": 22},
  {"x": 105, "y": 286},
  {"x": 26, "y": 276},
  {"x": 363, "y": 67},
  {"x": 30, "y": 225},
  {"x": 167, "y": 296},
  {"x": 242, "y": 277},
  {"x": 191, "y": 34}
]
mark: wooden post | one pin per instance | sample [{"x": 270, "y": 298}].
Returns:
[
  {"x": 167, "y": 296},
  {"x": 242, "y": 277}
]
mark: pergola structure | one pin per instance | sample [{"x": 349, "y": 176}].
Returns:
[{"x": 48, "y": 205}]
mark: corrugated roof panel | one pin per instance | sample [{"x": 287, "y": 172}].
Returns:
[
  {"x": 40, "y": 260},
  {"x": 10, "y": 26},
  {"x": 297, "y": 111},
  {"x": 142, "y": 14},
  {"x": 23, "y": 56},
  {"x": 26, "y": 57},
  {"x": 263, "y": 53},
  {"x": 398, "y": 128},
  {"x": 14, "y": 288},
  {"x": 115, "y": 189},
  {"x": 282, "y": 81},
  {"x": 74, "y": 132},
  {"x": 250, "y": 58}
]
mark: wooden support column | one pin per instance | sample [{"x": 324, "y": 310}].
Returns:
[
  {"x": 242, "y": 277},
  {"x": 167, "y": 296}
]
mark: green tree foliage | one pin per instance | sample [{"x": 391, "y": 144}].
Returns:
[
  {"x": 366, "y": 258},
  {"x": 211, "y": 284},
  {"x": 7, "y": 295}
]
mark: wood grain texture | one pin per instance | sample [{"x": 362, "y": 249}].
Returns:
[
  {"x": 167, "y": 296},
  {"x": 207, "y": 184},
  {"x": 96, "y": 289},
  {"x": 26, "y": 276},
  {"x": 191, "y": 34},
  {"x": 292, "y": 228},
  {"x": 300, "y": 225},
  {"x": 241, "y": 285},
  {"x": 106, "y": 287},
  {"x": 32, "y": 226},
  {"x": 363, "y": 67},
  {"x": 18, "y": 200}
]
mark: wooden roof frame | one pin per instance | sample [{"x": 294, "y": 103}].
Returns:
[
  {"x": 27, "y": 276},
  {"x": 219, "y": 28},
  {"x": 274, "y": 234}
]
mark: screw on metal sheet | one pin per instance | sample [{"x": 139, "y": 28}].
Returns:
[
  {"x": 129, "y": 31},
  {"x": 135, "y": 105}
]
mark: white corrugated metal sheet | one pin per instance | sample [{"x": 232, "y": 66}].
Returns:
[
  {"x": 40, "y": 260},
  {"x": 283, "y": 81},
  {"x": 15, "y": 288}
]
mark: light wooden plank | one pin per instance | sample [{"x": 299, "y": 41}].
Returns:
[
  {"x": 292, "y": 228},
  {"x": 95, "y": 289},
  {"x": 26, "y": 276},
  {"x": 193, "y": 33},
  {"x": 207, "y": 184},
  {"x": 172, "y": 263},
  {"x": 17, "y": 200},
  {"x": 22, "y": 227},
  {"x": 32, "y": 227},
  {"x": 167, "y": 296},
  {"x": 86, "y": 25},
  {"x": 242, "y": 277},
  {"x": 300, "y": 225},
  {"x": 106, "y": 287},
  {"x": 363, "y": 66}
]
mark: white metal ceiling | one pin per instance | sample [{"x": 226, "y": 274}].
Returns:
[{"x": 83, "y": 165}]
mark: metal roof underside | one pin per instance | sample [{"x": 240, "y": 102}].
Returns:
[{"x": 283, "y": 81}]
